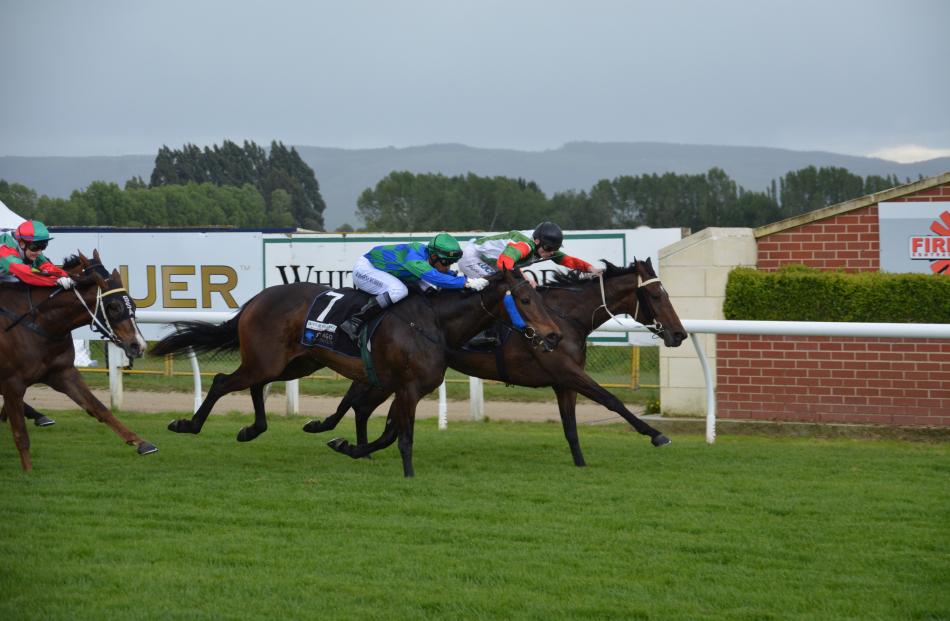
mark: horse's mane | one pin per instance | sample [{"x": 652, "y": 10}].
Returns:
[
  {"x": 71, "y": 261},
  {"x": 574, "y": 278}
]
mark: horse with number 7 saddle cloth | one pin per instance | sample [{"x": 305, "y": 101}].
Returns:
[{"x": 329, "y": 309}]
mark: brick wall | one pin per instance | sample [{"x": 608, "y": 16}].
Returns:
[
  {"x": 834, "y": 379},
  {"x": 848, "y": 241}
]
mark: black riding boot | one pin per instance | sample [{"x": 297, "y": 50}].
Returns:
[
  {"x": 487, "y": 339},
  {"x": 39, "y": 419},
  {"x": 352, "y": 326}
]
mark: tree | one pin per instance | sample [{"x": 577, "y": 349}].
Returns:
[{"x": 20, "y": 199}]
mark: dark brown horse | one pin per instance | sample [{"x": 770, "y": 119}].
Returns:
[
  {"x": 579, "y": 307},
  {"x": 409, "y": 348},
  {"x": 36, "y": 345}
]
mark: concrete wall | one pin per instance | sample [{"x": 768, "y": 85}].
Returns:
[{"x": 694, "y": 271}]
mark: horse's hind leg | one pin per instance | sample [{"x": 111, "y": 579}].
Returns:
[
  {"x": 566, "y": 403},
  {"x": 70, "y": 383},
  {"x": 13, "y": 411},
  {"x": 220, "y": 386},
  {"x": 250, "y": 432}
]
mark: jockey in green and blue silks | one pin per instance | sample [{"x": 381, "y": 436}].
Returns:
[
  {"x": 385, "y": 270},
  {"x": 21, "y": 257}
]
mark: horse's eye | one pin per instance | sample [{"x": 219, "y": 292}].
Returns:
[{"x": 525, "y": 301}]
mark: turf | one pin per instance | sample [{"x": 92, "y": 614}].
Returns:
[{"x": 497, "y": 524}]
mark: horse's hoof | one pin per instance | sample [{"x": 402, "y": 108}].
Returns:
[
  {"x": 146, "y": 448},
  {"x": 247, "y": 434},
  {"x": 660, "y": 440},
  {"x": 314, "y": 426},
  {"x": 178, "y": 425},
  {"x": 338, "y": 444}
]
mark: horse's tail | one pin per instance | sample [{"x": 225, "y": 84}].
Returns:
[{"x": 199, "y": 337}]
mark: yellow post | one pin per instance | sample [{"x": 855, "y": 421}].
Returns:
[{"x": 635, "y": 367}]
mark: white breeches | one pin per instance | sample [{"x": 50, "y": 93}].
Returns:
[
  {"x": 471, "y": 263},
  {"x": 378, "y": 283}
]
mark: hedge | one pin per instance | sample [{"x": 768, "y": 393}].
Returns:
[{"x": 799, "y": 293}]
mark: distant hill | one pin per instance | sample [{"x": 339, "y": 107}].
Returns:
[{"x": 344, "y": 173}]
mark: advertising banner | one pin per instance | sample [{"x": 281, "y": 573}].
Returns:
[
  {"x": 174, "y": 270},
  {"x": 915, "y": 237}
]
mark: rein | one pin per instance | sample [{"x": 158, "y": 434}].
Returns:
[{"x": 528, "y": 331}]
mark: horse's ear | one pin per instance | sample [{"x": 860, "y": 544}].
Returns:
[
  {"x": 95, "y": 255},
  {"x": 83, "y": 260}
]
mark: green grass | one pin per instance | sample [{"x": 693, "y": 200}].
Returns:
[{"x": 496, "y": 524}]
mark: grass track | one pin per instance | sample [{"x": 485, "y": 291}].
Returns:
[{"x": 496, "y": 524}]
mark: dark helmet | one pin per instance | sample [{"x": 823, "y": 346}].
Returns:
[
  {"x": 32, "y": 231},
  {"x": 549, "y": 234},
  {"x": 444, "y": 246}
]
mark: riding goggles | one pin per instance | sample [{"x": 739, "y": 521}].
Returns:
[{"x": 37, "y": 246}]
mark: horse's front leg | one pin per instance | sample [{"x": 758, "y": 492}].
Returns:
[
  {"x": 567, "y": 405},
  {"x": 354, "y": 392},
  {"x": 585, "y": 385},
  {"x": 70, "y": 383},
  {"x": 395, "y": 427},
  {"x": 13, "y": 411}
]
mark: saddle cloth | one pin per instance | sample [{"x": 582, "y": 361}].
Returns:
[{"x": 328, "y": 310}]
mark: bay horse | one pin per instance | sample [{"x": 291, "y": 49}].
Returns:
[
  {"x": 408, "y": 349},
  {"x": 36, "y": 344},
  {"x": 579, "y": 306}
]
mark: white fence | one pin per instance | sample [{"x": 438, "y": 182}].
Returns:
[{"x": 619, "y": 324}]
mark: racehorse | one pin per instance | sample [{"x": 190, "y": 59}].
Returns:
[
  {"x": 579, "y": 307},
  {"x": 408, "y": 349},
  {"x": 36, "y": 345}
]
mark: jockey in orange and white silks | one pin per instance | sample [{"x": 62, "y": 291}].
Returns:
[
  {"x": 487, "y": 255},
  {"x": 22, "y": 259}
]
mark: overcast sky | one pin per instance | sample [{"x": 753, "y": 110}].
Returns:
[{"x": 114, "y": 77}]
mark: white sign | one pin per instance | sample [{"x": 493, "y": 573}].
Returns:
[
  {"x": 171, "y": 270},
  {"x": 915, "y": 237}
]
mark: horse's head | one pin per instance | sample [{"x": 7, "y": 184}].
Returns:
[
  {"x": 113, "y": 313},
  {"x": 653, "y": 307},
  {"x": 540, "y": 328}
]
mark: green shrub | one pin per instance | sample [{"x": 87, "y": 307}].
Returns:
[{"x": 799, "y": 293}]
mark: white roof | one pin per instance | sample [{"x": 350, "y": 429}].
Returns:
[{"x": 8, "y": 219}]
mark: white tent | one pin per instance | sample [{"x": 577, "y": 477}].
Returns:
[{"x": 8, "y": 219}]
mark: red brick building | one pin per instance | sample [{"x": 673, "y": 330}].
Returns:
[{"x": 836, "y": 379}]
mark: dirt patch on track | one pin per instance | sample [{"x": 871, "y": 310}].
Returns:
[{"x": 588, "y": 413}]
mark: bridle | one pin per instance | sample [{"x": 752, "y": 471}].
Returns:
[
  {"x": 656, "y": 327},
  {"x": 99, "y": 319}
]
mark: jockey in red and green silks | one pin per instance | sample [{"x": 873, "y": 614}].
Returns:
[
  {"x": 486, "y": 255},
  {"x": 21, "y": 257}
]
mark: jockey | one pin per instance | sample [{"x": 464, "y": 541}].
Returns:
[
  {"x": 385, "y": 270},
  {"x": 22, "y": 259},
  {"x": 488, "y": 255}
]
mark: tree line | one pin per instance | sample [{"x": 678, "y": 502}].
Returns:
[
  {"x": 405, "y": 201},
  {"x": 250, "y": 187}
]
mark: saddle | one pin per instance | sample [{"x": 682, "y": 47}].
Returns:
[{"x": 328, "y": 310}]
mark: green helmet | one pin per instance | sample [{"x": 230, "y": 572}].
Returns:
[{"x": 444, "y": 246}]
